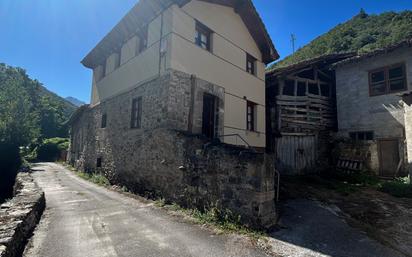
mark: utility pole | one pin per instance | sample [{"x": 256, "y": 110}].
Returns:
[{"x": 293, "y": 40}]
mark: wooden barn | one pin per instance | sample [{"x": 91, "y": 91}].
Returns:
[{"x": 301, "y": 113}]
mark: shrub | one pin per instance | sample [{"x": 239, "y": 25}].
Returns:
[
  {"x": 51, "y": 149},
  {"x": 398, "y": 188},
  {"x": 9, "y": 164},
  {"x": 94, "y": 178}
]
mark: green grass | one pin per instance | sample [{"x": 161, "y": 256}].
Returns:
[
  {"x": 94, "y": 177},
  {"x": 400, "y": 187},
  {"x": 343, "y": 183},
  {"x": 350, "y": 183},
  {"x": 224, "y": 220}
]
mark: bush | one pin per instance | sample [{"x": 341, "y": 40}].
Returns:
[
  {"x": 398, "y": 188},
  {"x": 96, "y": 178},
  {"x": 9, "y": 164},
  {"x": 51, "y": 149}
]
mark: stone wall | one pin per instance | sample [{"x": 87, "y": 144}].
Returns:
[
  {"x": 169, "y": 158},
  {"x": 20, "y": 215}
]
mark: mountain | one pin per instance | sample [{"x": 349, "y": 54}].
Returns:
[
  {"x": 28, "y": 111},
  {"x": 75, "y": 101},
  {"x": 363, "y": 33}
]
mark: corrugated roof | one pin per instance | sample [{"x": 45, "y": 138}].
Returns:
[{"x": 146, "y": 10}]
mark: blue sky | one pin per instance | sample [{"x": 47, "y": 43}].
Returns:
[{"x": 49, "y": 38}]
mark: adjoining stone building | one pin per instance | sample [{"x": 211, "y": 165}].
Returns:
[
  {"x": 172, "y": 78},
  {"x": 371, "y": 115}
]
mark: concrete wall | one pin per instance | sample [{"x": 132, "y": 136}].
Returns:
[
  {"x": 357, "y": 111},
  {"x": 163, "y": 158}
]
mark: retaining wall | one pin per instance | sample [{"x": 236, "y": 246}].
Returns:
[{"x": 20, "y": 215}]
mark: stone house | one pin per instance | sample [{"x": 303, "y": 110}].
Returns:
[
  {"x": 371, "y": 115},
  {"x": 173, "y": 78}
]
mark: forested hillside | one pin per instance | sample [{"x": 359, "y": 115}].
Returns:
[
  {"x": 28, "y": 114},
  {"x": 363, "y": 33}
]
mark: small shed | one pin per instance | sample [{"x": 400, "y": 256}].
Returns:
[{"x": 301, "y": 112}]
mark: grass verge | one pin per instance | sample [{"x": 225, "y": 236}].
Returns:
[
  {"x": 350, "y": 183},
  {"x": 400, "y": 187},
  {"x": 222, "y": 220}
]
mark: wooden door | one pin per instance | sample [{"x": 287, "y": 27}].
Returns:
[
  {"x": 209, "y": 115},
  {"x": 388, "y": 157},
  {"x": 296, "y": 154}
]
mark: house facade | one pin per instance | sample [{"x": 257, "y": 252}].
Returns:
[
  {"x": 207, "y": 40},
  {"x": 369, "y": 108},
  {"x": 169, "y": 79}
]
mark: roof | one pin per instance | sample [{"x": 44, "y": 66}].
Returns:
[
  {"x": 327, "y": 59},
  {"x": 78, "y": 113},
  {"x": 146, "y": 10},
  {"x": 385, "y": 50}
]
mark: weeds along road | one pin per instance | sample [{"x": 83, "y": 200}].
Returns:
[{"x": 82, "y": 219}]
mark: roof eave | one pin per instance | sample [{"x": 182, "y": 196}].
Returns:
[{"x": 261, "y": 36}]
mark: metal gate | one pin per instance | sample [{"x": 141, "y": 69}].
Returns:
[{"x": 295, "y": 154}]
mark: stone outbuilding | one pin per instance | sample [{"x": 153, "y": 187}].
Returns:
[{"x": 371, "y": 115}]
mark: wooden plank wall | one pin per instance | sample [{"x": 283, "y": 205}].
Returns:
[{"x": 295, "y": 154}]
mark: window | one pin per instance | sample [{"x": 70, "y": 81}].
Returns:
[
  {"x": 289, "y": 88},
  {"x": 203, "y": 36},
  {"x": 143, "y": 39},
  {"x": 136, "y": 113},
  {"x": 387, "y": 80},
  {"x": 99, "y": 162},
  {"x": 250, "y": 64},
  {"x": 251, "y": 116},
  {"x": 103, "y": 73},
  {"x": 361, "y": 135},
  {"x": 104, "y": 121},
  {"x": 117, "y": 60},
  {"x": 313, "y": 89}
]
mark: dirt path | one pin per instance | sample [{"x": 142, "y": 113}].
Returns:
[{"x": 383, "y": 217}]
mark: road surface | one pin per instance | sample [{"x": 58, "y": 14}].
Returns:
[{"x": 85, "y": 220}]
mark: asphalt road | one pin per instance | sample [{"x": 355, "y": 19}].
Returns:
[{"x": 84, "y": 220}]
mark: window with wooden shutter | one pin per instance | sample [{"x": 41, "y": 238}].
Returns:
[
  {"x": 251, "y": 116},
  {"x": 250, "y": 64},
  {"x": 203, "y": 36}
]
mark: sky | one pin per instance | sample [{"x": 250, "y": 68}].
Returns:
[{"x": 49, "y": 38}]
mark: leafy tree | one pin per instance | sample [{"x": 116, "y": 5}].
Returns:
[
  {"x": 363, "y": 33},
  {"x": 28, "y": 113}
]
